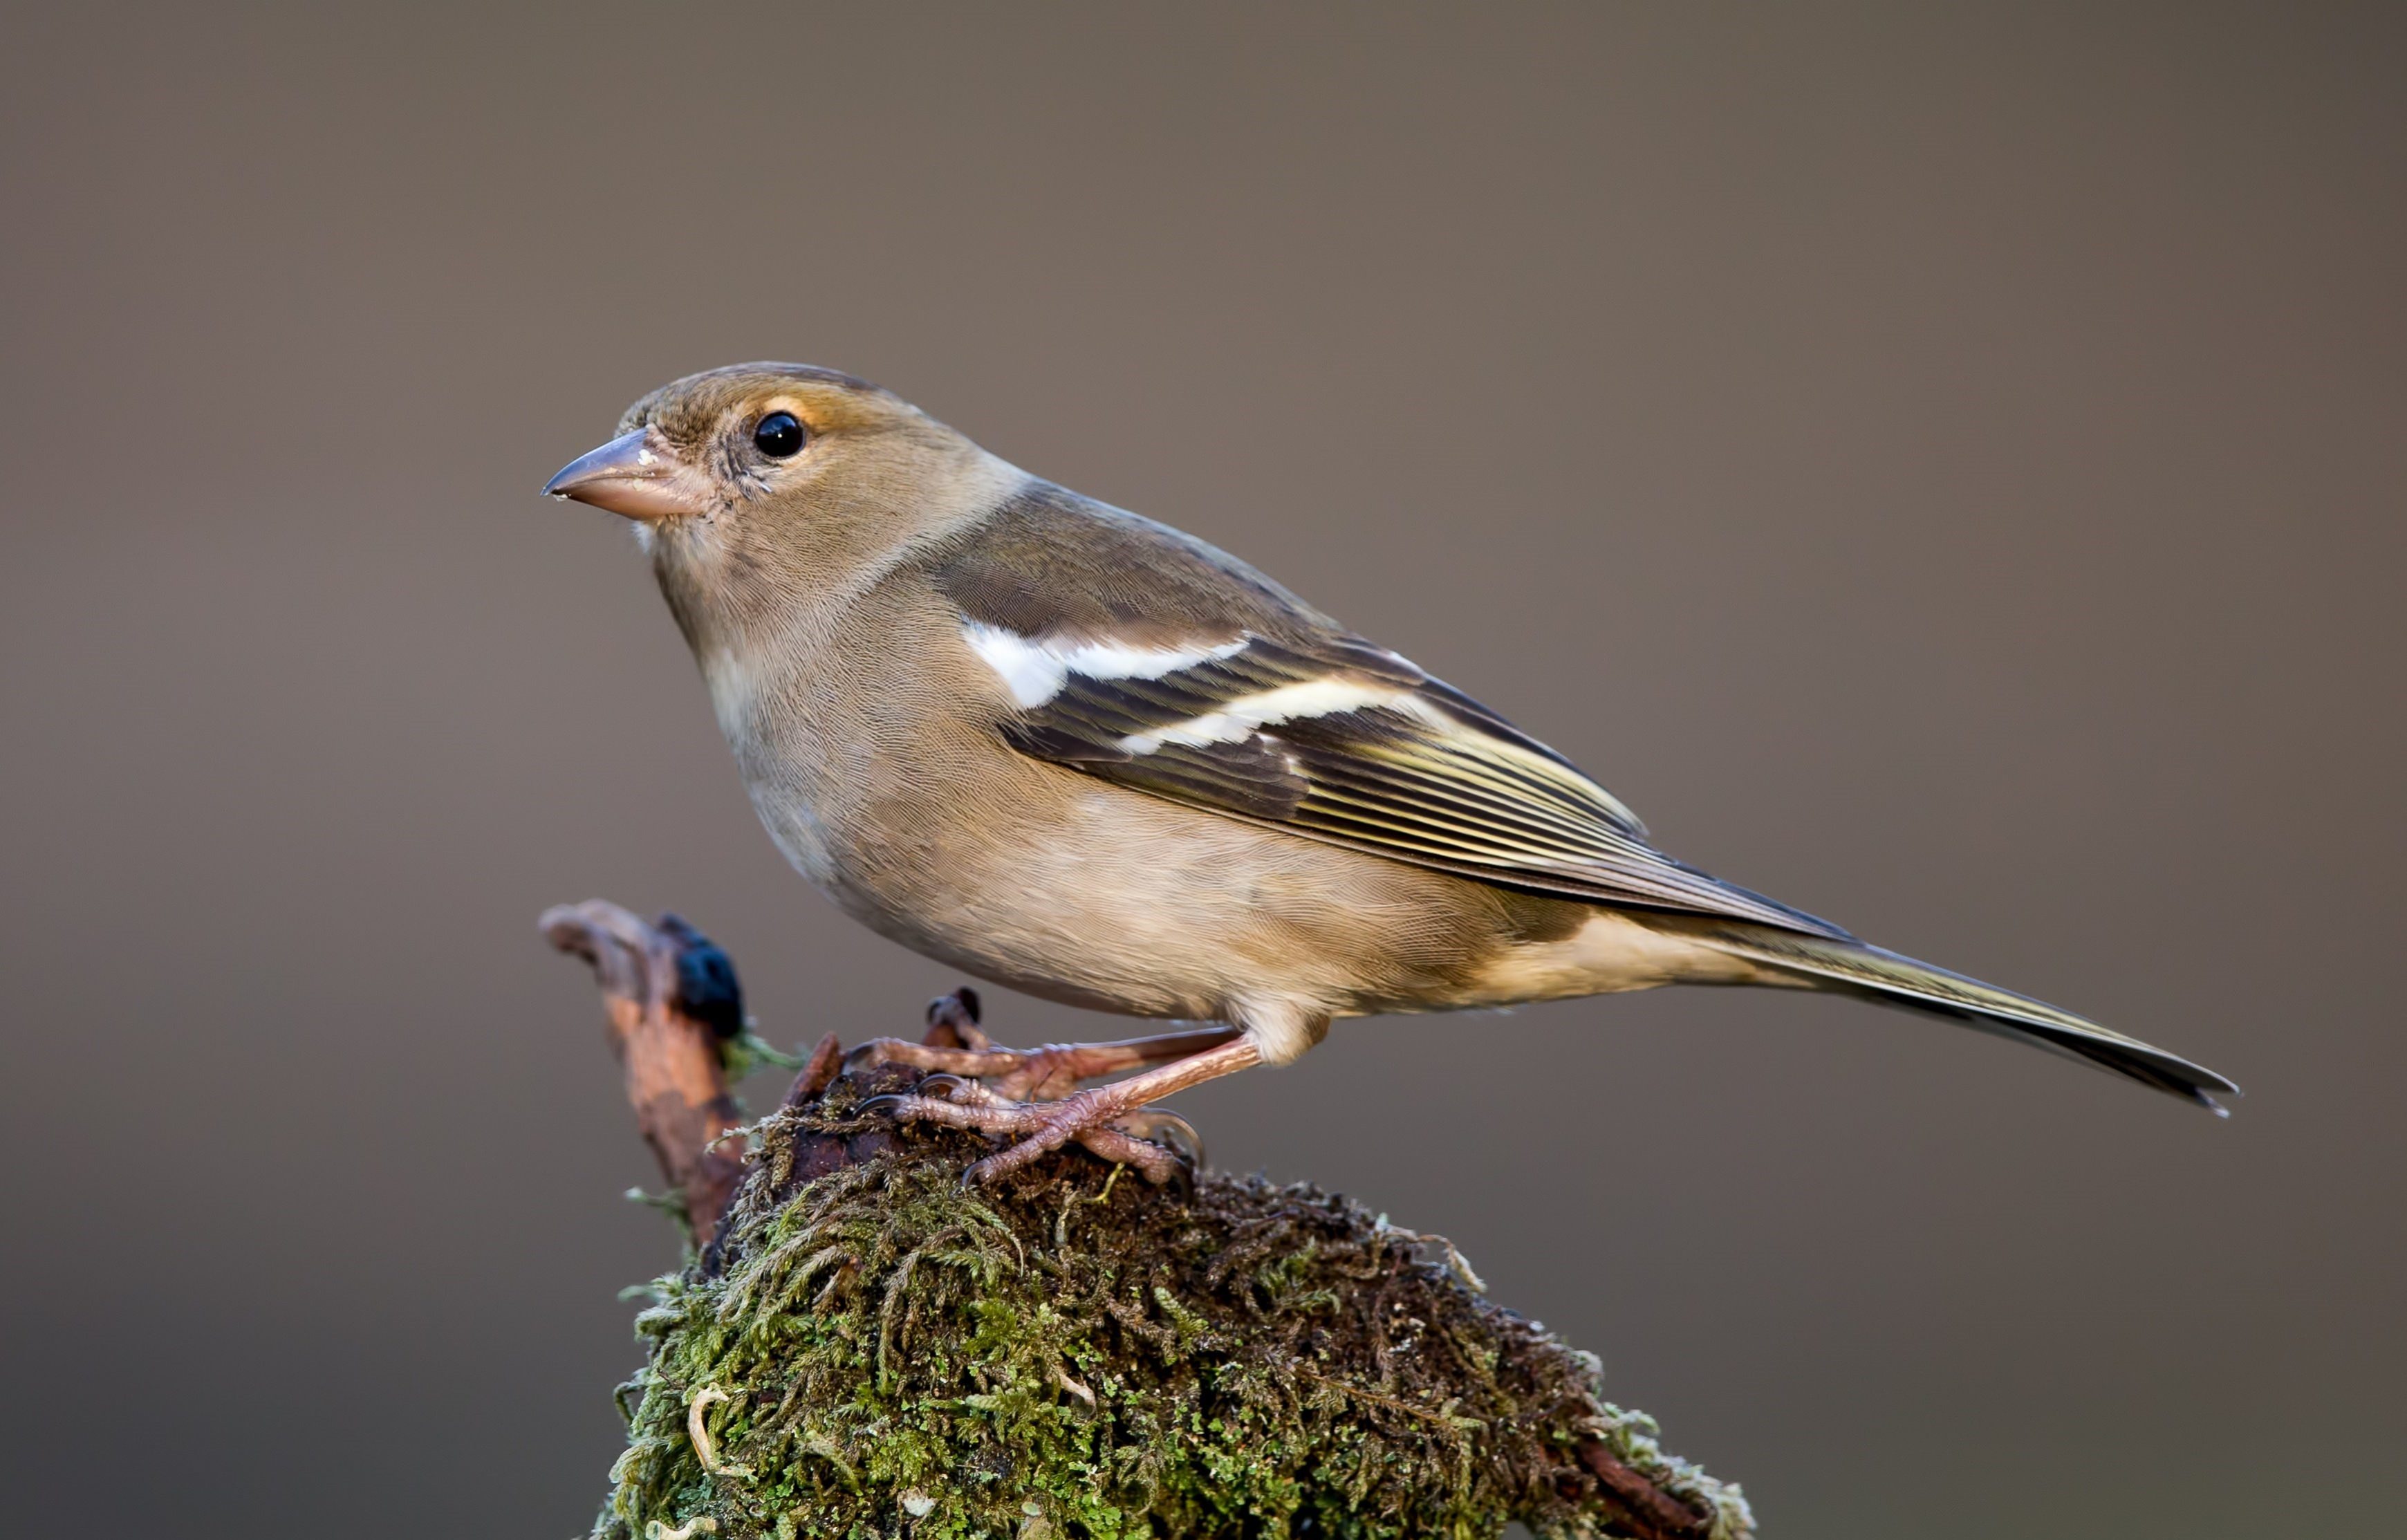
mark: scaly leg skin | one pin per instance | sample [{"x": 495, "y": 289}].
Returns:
[
  {"x": 1048, "y": 1073},
  {"x": 1046, "y": 1126},
  {"x": 1162, "y": 1144}
]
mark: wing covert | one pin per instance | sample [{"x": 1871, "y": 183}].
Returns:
[{"x": 1146, "y": 658}]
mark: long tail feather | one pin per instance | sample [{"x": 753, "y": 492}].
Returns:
[{"x": 1890, "y": 979}]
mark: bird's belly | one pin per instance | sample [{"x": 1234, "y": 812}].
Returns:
[
  {"x": 1074, "y": 889},
  {"x": 1078, "y": 891},
  {"x": 1070, "y": 913}
]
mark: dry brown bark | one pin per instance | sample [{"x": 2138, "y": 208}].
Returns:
[{"x": 677, "y": 1081}]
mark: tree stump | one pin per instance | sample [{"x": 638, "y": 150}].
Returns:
[{"x": 859, "y": 1346}]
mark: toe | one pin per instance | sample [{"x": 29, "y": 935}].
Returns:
[{"x": 1166, "y": 1128}]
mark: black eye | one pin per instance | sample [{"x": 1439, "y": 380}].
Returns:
[{"x": 778, "y": 435}]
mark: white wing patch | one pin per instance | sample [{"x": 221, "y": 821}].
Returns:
[
  {"x": 1035, "y": 669},
  {"x": 1240, "y": 719},
  {"x": 1337, "y": 741}
]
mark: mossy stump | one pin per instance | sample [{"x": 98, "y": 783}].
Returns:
[{"x": 866, "y": 1348}]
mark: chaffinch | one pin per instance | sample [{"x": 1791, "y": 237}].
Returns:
[{"x": 1080, "y": 753}]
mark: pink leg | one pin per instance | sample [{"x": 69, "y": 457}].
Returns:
[
  {"x": 1044, "y": 1074},
  {"x": 1156, "y": 1142},
  {"x": 1047, "y": 1127}
]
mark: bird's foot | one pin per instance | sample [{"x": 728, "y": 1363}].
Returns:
[
  {"x": 1112, "y": 1120},
  {"x": 1161, "y": 1145},
  {"x": 954, "y": 1045}
]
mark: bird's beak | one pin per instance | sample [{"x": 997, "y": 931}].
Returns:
[{"x": 633, "y": 475}]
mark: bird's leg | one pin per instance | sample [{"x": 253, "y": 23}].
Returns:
[
  {"x": 1047, "y": 1126},
  {"x": 1153, "y": 1141},
  {"x": 979, "y": 1063},
  {"x": 973, "y": 1083},
  {"x": 1047, "y": 1074},
  {"x": 1050, "y": 1073}
]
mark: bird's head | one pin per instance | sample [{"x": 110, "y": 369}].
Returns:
[{"x": 759, "y": 483}]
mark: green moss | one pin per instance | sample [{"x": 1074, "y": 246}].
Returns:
[{"x": 877, "y": 1352}]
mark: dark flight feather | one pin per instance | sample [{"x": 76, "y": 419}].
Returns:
[{"x": 1379, "y": 757}]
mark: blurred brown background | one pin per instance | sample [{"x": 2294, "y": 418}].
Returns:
[{"x": 1944, "y": 466}]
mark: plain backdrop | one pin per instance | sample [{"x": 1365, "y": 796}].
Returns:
[{"x": 1942, "y": 464}]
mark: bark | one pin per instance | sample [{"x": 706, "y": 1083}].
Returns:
[{"x": 676, "y": 1081}]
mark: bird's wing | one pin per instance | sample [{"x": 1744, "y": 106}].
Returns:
[{"x": 1141, "y": 656}]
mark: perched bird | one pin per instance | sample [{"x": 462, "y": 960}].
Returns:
[{"x": 1085, "y": 755}]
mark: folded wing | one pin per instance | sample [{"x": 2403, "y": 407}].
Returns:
[{"x": 1144, "y": 658}]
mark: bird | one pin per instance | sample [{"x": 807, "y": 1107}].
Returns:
[{"x": 1085, "y": 755}]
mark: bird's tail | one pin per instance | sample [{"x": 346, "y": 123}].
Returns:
[{"x": 1853, "y": 968}]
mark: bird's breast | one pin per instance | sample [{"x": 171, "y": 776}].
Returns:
[{"x": 734, "y": 691}]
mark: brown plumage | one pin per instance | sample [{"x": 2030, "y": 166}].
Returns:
[{"x": 1080, "y": 753}]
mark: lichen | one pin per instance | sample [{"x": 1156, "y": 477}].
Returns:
[{"x": 872, "y": 1350}]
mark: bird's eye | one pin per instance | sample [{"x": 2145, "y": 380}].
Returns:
[{"x": 778, "y": 435}]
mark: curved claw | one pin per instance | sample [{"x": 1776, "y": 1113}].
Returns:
[
  {"x": 1166, "y": 1128},
  {"x": 945, "y": 1087}
]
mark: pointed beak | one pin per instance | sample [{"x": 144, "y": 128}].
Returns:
[{"x": 635, "y": 476}]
